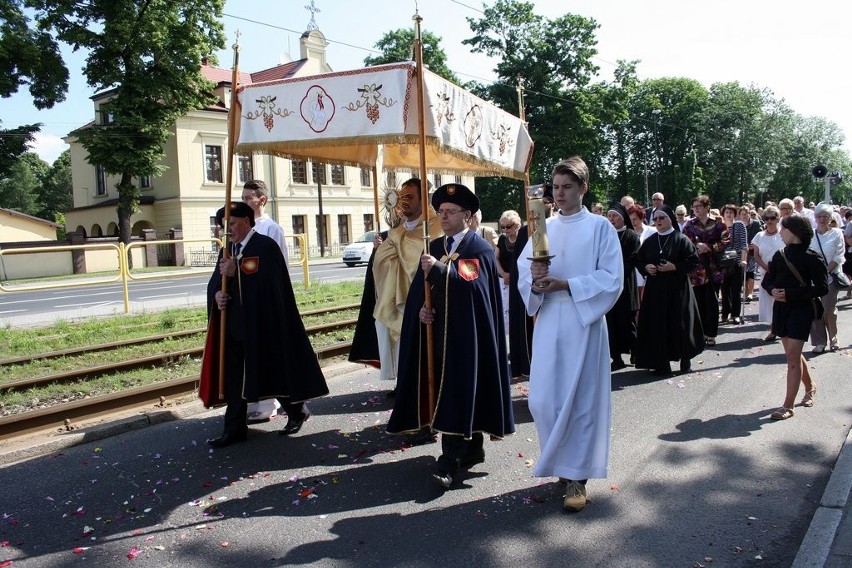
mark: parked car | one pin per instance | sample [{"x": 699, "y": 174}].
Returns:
[{"x": 360, "y": 250}]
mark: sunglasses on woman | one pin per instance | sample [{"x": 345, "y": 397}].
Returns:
[{"x": 773, "y": 218}]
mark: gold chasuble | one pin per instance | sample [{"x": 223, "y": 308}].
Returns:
[{"x": 397, "y": 260}]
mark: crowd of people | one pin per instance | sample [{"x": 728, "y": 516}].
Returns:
[{"x": 451, "y": 326}]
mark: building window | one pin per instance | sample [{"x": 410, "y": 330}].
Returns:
[
  {"x": 436, "y": 180},
  {"x": 214, "y": 233},
  {"x": 299, "y": 170},
  {"x": 391, "y": 177},
  {"x": 337, "y": 175},
  {"x": 246, "y": 171},
  {"x": 318, "y": 171},
  {"x": 213, "y": 163},
  {"x": 100, "y": 180},
  {"x": 322, "y": 229},
  {"x": 366, "y": 177},
  {"x": 368, "y": 222},
  {"x": 343, "y": 229},
  {"x": 145, "y": 182},
  {"x": 457, "y": 180},
  {"x": 107, "y": 117}
]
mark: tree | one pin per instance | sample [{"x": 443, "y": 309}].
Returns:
[
  {"x": 56, "y": 195},
  {"x": 553, "y": 58},
  {"x": 27, "y": 57},
  {"x": 396, "y": 46},
  {"x": 20, "y": 189},
  {"x": 148, "y": 55}
]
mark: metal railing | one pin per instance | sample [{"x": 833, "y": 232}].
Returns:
[{"x": 124, "y": 273}]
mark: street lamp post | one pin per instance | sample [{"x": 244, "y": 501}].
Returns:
[{"x": 656, "y": 113}]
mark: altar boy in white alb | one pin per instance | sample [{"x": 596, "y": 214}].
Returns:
[{"x": 570, "y": 369}]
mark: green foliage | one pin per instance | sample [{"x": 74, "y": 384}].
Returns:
[
  {"x": 20, "y": 189},
  {"x": 29, "y": 57},
  {"x": 553, "y": 58},
  {"x": 14, "y": 143},
  {"x": 147, "y": 56},
  {"x": 397, "y": 46},
  {"x": 56, "y": 193}
]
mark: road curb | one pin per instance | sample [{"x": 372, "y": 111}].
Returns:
[{"x": 816, "y": 546}]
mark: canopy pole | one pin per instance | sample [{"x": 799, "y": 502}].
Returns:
[
  {"x": 523, "y": 116},
  {"x": 229, "y": 175},
  {"x": 424, "y": 199}
]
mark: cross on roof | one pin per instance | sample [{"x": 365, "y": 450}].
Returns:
[{"x": 312, "y": 25}]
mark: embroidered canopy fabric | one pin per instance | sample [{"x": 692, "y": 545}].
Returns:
[{"x": 369, "y": 115}]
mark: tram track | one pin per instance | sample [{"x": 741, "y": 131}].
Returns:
[
  {"x": 157, "y": 394},
  {"x": 153, "y": 396}
]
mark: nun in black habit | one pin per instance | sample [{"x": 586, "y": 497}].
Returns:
[
  {"x": 621, "y": 319},
  {"x": 669, "y": 321}
]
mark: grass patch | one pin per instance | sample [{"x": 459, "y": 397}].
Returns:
[{"x": 67, "y": 335}]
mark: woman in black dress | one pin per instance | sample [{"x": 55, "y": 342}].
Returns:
[
  {"x": 669, "y": 320},
  {"x": 797, "y": 278}
]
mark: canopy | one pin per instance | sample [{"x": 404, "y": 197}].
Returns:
[{"x": 369, "y": 116}]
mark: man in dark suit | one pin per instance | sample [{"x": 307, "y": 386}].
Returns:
[{"x": 267, "y": 352}]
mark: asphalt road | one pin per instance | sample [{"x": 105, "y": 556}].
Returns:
[
  {"x": 699, "y": 476},
  {"x": 75, "y": 301}
]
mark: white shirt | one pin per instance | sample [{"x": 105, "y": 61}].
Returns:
[{"x": 266, "y": 226}]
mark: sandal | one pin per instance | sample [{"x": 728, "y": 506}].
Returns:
[
  {"x": 770, "y": 337},
  {"x": 782, "y": 413},
  {"x": 808, "y": 399}
]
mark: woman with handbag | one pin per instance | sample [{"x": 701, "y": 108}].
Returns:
[
  {"x": 709, "y": 235},
  {"x": 829, "y": 245},
  {"x": 796, "y": 279}
]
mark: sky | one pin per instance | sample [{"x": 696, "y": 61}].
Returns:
[{"x": 798, "y": 51}]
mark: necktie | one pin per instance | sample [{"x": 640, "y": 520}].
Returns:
[
  {"x": 450, "y": 241},
  {"x": 237, "y": 248}
]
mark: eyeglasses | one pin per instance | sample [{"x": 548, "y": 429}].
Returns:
[
  {"x": 506, "y": 227},
  {"x": 448, "y": 212},
  {"x": 773, "y": 218},
  {"x": 786, "y": 208},
  {"x": 660, "y": 218},
  {"x": 681, "y": 214},
  {"x": 697, "y": 205}
]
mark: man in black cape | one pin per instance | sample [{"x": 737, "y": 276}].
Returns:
[
  {"x": 267, "y": 352},
  {"x": 470, "y": 395}
]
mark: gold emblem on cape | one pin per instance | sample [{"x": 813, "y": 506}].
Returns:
[
  {"x": 469, "y": 269},
  {"x": 250, "y": 264},
  {"x": 451, "y": 190}
]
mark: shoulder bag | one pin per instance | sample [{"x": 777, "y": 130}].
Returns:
[
  {"x": 817, "y": 306},
  {"x": 841, "y": 281}
]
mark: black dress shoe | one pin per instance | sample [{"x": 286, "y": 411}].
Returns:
[
  {"x": 227, "y": 439},
  {"x": 685, "y": 366},
  {"x": 663, "y": 371},
  {"x": 294, "y": 424},
  {"x": 443, "y": 479},
  {"x": 617, "y": 364}
]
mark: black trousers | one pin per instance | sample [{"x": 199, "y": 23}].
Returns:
[
  {"x": 455, "y": 449},
  {"x": 708, "y": 307},
  {"x": 732, "y": 289},
  {"x": 235, "y": 412}
]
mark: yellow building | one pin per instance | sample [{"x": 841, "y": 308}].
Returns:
[{"x": 190, "y": 191}]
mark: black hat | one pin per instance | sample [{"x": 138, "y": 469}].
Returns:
[
  {"x": 238, "y": 209},
  {"x": 457, "y": 194},
  {"x": 621, "y": 210}
]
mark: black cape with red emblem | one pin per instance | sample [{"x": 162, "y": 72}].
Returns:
[
  {"x": 263, "y": 316},
  {"x": 471, "y": 370}
]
